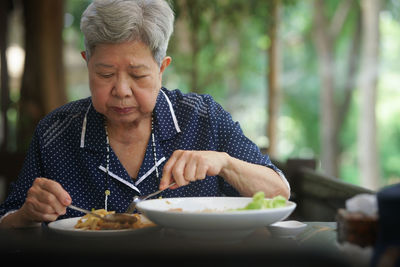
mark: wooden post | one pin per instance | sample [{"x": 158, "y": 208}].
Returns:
[
  {"x": 43, "y": 87},
  {"x": 274, "y": 63},
  {"x": 5, "y": 94}
]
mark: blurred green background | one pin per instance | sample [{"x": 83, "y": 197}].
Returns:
[{"x": 221, "y": 48}]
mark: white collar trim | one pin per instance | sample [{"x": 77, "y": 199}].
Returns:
[
  {"x": 171, "y": 109},
  {"x": 113, "y": 175},
  {"x": 83, "y": 133},
  {"x": 144, "y": 176}
]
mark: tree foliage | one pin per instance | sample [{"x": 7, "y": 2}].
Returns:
[{"x": 219, "y": 48}]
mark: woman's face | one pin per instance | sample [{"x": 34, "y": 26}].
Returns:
[{"x": 124, "y": 81}]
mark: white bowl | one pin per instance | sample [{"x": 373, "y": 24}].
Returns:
[
  {"x": 287, "y": 228},
  {"x": 211, "y": 217}
]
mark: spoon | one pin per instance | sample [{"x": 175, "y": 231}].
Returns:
[
  {"x": 138, "y": 199},
  {"x": 121, "y": 218}
]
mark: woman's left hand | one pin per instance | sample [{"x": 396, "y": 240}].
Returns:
[{"x": 186, "y": 166}]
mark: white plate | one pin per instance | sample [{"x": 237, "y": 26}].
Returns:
[
  {"x": 287, "y": 228},
  {"x": 66, "y": 226},
  {"x": 211, "y": 217}
]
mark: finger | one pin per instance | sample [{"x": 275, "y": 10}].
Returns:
[
  {"x": 178, "y": 169},
  {"x": 55, "y": 189},
  {"x": 52, "y": 203},
  {"x": 45, "y": 191},
  {"x": 202, "y": 166},
  {"x": 38, "y": 212},
  {"x": 167, "y": 174},
  {"x": 201, "y": 171},
  {"x": 43, "y": 217},
  {"x": 49, "y": 217},
  {"x": 36, "y": 204},
  {"x": 190, "y": 169},
  {"x": 42, "y": 201}
]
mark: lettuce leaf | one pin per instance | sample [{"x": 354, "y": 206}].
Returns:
[{"x": 260, "y": 202}]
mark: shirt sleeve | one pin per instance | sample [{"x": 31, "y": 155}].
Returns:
[
  {"x": 31, "y": 169},
  {"x": 231, "y": 139}
]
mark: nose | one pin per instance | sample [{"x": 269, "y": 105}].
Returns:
[{"x": 122, "y": 87}]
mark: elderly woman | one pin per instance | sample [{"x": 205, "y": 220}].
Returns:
[{"x": 133, "y": 136}]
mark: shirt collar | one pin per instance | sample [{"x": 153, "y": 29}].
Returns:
[
  {"x": 165, "y": 122},
  {"x": 93, "y": 135}
]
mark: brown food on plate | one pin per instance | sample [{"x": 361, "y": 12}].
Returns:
[{"x": 90, "y": 222}]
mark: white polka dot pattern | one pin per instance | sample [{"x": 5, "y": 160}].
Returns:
[{"x": 56, "y": 152}]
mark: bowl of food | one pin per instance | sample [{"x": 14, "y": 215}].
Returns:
[{"x": 216, "y": 217}]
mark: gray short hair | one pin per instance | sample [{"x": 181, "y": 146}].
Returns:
[{"x": 117, "y": 21}]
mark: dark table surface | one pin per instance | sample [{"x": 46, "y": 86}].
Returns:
[{"x": 154, "y": 246}]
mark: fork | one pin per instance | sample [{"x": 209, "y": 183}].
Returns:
[
  {"x": 137, "y": 199},
  {"x": 113, "y": 217}
]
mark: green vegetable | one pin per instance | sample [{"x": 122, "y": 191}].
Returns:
[{"x": 260, "y": 202}]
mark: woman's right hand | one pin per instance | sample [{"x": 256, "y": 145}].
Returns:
[{"x": 45, "y": 201}]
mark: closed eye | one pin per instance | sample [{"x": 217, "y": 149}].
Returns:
[
  {"x": 138, "y": 76},
  {"x": 106, "y": 75}
]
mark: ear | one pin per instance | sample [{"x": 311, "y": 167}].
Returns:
[
  {"x": 165, "y": 63},
  {"x": 83, "y": 53}
]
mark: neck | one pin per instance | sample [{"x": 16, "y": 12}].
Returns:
[{"x": 129, "y": 133}]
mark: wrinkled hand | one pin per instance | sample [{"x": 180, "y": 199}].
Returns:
[
  {"x": 186, "y": 166},
  {"x": 45, "y": 201}
]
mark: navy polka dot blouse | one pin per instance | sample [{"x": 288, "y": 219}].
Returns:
[{"x": 69, "y": 146}]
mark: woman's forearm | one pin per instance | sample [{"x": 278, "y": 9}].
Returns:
[{"x": 250, "y": 178}]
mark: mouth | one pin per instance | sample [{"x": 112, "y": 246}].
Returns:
[{"x": 122, "y": 111}]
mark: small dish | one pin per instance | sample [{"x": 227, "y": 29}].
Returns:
[{"x": 287, "y": 228}]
